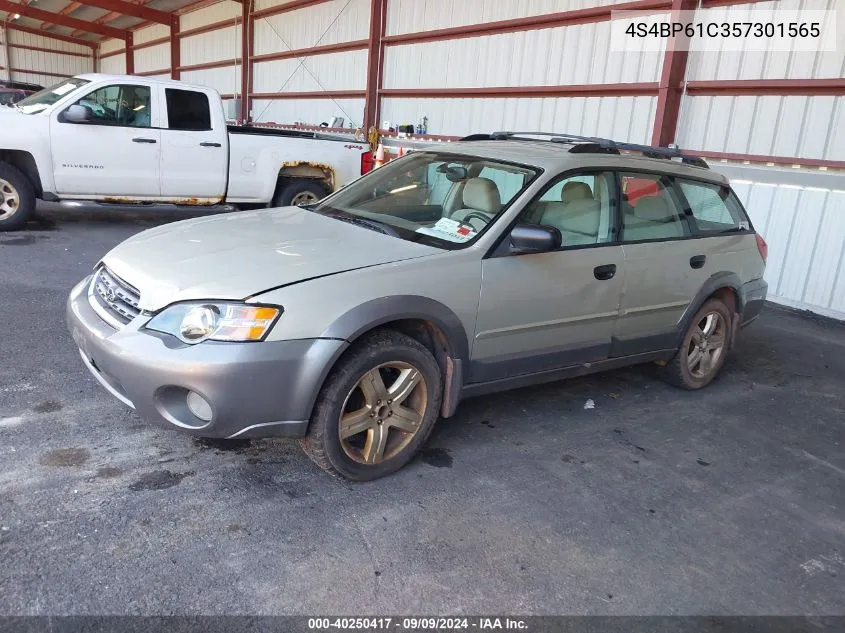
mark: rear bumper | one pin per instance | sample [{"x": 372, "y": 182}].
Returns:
[
  {"x": 752, "y": 297},
  {"x": 254, "y": 389}
]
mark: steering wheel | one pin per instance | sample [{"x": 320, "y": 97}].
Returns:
[{"x": 475, "y": 214}]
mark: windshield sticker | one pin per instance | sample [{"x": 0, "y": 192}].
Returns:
[
  {"x": 63, "y": 90},
  {"x": 449, "y": 229}
]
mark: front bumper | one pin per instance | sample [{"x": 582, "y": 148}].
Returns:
[{"x": 262, "y": 389}]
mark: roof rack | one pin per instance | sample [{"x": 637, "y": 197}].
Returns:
[{"x": 594, "y": 145}]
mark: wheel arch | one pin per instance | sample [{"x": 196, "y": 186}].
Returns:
[
  {"x": 723, "y": 285},
  {"x": 424, "y": 319},
  {"x": 25, "y": 162},
  {"x": 294, "y": 170}
]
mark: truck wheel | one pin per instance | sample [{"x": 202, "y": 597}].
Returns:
[
  {"x": 17, "y": 198},
  {"x": 703, "y": 350},
  {"x": 377, "y": 408},
  {"x": 300, "y": 191}
]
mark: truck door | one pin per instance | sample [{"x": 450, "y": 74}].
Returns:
[
  {"x": 195, "y": 151},
  {"x": 114, "y": 152}
]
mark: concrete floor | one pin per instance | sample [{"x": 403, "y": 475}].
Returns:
[{"x": 726, "y": 501}]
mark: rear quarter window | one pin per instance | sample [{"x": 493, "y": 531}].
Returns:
[{"x": 714, "y": 207}]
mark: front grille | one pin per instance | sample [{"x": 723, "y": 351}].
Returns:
[{"x": 114, "y": 299}]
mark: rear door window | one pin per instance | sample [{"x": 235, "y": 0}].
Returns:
[
  {"x": 651, "y": 209},
  {"x": 714, "y": 207},
  {"x": 187, "y": 110}
]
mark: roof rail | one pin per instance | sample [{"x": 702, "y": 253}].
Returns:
[{"x": 594, "y": 145}]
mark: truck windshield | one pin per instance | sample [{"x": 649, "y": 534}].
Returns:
[
  {"x": 43, "y": 99},
  {"x": 445, "y": 200}
]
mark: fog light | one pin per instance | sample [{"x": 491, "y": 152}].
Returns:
[{"x": 199, "y": 406}]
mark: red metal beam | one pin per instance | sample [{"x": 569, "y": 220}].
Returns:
[
  {"x": 214, "y": 26},
  {"x": 536, "y": 22},
  {"x": 342, "y": 47},
  {"x": 247, "y": 39},
  {"x": 375, "y": 52},
  {"x": 758, "y": 87},
  {"x": 175, "y": 48},
  {"x": 584, "y": 90},
  {"x": 113, "y": 53},
  {"x": 37, "y": 72},
  {"x": 60, "y": 20},
  {"x": 150, "y": 73},
  {"x": 321, "y": 94},
  {"x": 775, "y": 160},
  {"x": 284, "y": 8},
  {"x": 130, "y": 53},
  {"x": 671, "y": 80},
  {"x": 53, "y": 36},
  {"x": 155, "y": 42},
  {"x": 222, "y": 63},
  {"x": 49, "y": 50},
  {"x": 127, "y": 8}
]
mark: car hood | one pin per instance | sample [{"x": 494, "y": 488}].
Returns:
[{"x": 237, "y": 255}]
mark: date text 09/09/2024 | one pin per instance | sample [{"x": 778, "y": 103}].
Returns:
[
  {"x": 725, "y": 29},
  {"x": 418, "y": 624}
]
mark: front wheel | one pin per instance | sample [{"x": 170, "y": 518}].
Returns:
[
  {"x": 704, "y": 348},
  {"x": 377, "y": 408},
  {"x": 298, "y": 192},
  {"x": 17, "y": 198}
]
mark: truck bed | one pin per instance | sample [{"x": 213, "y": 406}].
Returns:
[{"x": 271, "y": 131}]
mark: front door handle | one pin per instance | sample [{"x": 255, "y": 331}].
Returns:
[
  {"x": 139, "y": 139},
  {"x": 697, "y": 261},
  {"x": 210, "y": 145},
  {"x": 603, "y": 273}
]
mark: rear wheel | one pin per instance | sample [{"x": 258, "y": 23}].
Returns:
[
  {"x": 17, "y": 198},
  {"x": 300, "y": 191},
  {"x": 377, "y": 408},
  {"x": 704, "y": 348}
]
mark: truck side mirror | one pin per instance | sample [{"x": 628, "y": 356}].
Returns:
[{"x": 75, "y": 114}]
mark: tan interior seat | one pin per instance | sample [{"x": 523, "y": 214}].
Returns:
[
  {"x": 653, "y": 218},
  {"x": 480, "y": 195},
  {"x": 578, "y": 221}
]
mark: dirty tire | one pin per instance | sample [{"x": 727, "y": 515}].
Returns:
[
  {"x": 23, "y": 194},
  {"x": 299, "y": 191},
  {"x": 380, "y": 349},
  {"x": 678, "y": 371}
]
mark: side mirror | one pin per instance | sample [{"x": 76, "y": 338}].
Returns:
[
  {"x": 76, "y": 114},
  {"x": 532, "y": 238}
]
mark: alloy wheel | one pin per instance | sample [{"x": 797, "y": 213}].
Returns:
[
  {"x": 304, "y": 197},
  {"x": 383, "y": 412},
  {"x": 706, "y": 345},
  {"x": 9, "y": 200}
]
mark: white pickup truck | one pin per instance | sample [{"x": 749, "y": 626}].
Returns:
[{"x": 127, "y": 139}]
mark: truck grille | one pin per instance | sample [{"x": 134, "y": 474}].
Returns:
[{"x": 113, "y": 299}]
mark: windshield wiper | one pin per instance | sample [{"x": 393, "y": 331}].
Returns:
[{"x": 373, "y": 225}]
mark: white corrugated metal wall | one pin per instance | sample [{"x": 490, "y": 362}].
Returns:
[
  {"x": 214, "y": 46},
  {"x": 112, "y": 59},
  {"x": 328, "y": 23},
  {"x": 55, "y": 60}
]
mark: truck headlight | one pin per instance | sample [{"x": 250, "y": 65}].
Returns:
[{"x": 216, "y": 321}]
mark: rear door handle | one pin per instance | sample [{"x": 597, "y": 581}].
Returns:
[
  {"x": 210, "y": 145},
  {"x": 139, "y": 139},
  {"x": 697, "y": 261},
  {"x": 603, "y": 273}
]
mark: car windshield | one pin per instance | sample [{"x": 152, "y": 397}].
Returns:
[
  {"x": 441, "y": 199},
  {"x": 43, "y": 99}
]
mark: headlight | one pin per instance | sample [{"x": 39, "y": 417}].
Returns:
[{"x": 218, "y": 321}]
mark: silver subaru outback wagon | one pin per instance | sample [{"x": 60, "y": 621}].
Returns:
[{"x": 355, "y": 323}]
